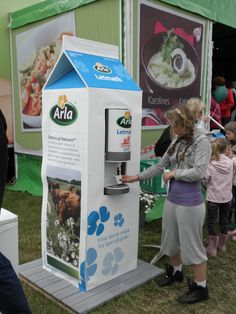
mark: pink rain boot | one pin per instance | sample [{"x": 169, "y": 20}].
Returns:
[
  {"x": 211, "y": 249},
  {"x": 222, "y": 242}
]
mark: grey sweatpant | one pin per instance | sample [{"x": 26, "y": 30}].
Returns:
[{"x": 182, "y": 232}]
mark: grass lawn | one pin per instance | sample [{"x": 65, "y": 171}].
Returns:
[{"x": 148, "y": 298}]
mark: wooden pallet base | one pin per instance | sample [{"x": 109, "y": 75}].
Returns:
[{"x": 74, "y": 301}]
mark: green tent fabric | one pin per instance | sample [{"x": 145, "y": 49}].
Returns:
[
  {"x": 215, "y": 10},
  {"x": 157, "y": 210},
  {"x": 29, "y": 175},
  {"x": 43, "y": 10}
]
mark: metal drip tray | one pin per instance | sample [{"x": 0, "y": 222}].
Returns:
[{"x": 116, "y": 189}]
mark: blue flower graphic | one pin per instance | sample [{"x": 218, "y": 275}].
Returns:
[
  {"x": 119, "y": 220},
  {"x": 90, "y": 270},
  {"x": 94, "y": 225},
  {"x": 110, "y": 262}
]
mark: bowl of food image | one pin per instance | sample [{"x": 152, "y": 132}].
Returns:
[
  {"x": 33, "y": 75},
  {"x": 32, "y": 121},
  {"x": 171, "y": 64},
  {"x": 36, "y": 63}
]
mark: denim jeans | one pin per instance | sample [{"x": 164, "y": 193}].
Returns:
[
  {"x": 212, "y": 215},
  {"x": 12, "y": 297}
]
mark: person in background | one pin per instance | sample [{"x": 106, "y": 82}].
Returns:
[
  {"x": 215, "y": 114},
  {"x": 233, "y": 112},
  {"x": 12, "y": 297},
  {"x": 232, "y": 212},
  {"x": 3, "y": 155},
  {"x": 197, "y": 108},
  {"x": 219, "y": 180},
  {"x": 230, "y": 133},
  {"x": 229, "y": 86},
  {"x": 226, "y": 105},
  {"x": 163, "y": 142},
  {"x": 184, "y": 212}
]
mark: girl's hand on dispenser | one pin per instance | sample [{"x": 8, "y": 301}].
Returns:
[{"x": 129, "y": 179}]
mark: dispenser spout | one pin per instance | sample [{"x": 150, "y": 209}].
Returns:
[
  {"x": 118, "y": 172},
  {"x": 118, "y": 175}
]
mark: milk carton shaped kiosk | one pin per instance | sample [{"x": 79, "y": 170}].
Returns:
[{"x": 91, "y": 136}]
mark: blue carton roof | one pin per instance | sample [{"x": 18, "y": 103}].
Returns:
[
  {"x": 69, "y": 80},
  {"x": 76, "y": 70}
]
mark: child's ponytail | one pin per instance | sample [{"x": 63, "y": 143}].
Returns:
[{"x": 219, "y": 146}]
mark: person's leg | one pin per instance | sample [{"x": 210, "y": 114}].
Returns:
[
  {"x": 231, "y": 210},
  {"x": 198, "y": 290},
  {"x": 12, "y": 297},
  {"x": 190, "y": 222},
  {"x": 223, "y": 217},
  {"x": 223, "y": 220},
  {"x": 234, "y": 206},
  {"x": 170, "y": 246},
  {"x": 170, "y": 236},
  {"x": 230, "y": 216},
  {"x": 175, "y": 260},
  {"x": 212, "y": 210},
  {"x": 232, "y": 219},
  {"x": 200, "y": 272}
]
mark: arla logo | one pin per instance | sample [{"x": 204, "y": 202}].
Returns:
[
  {"x": 102, "y": 68},
  {"x": 64, "y": 113},
  {"x": 125, "y": 121}
]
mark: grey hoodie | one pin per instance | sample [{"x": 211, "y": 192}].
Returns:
[{"x": 192, "y": 168}]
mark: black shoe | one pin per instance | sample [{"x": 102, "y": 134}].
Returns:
[
  {"x": 169, "y": 278},
  {"x": 194, "y": 294}
]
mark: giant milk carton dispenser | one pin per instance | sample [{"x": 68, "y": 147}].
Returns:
[{"x": 91, "y": 130}]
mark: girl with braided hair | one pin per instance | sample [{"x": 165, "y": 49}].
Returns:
[{"x": 188, "y": 156}]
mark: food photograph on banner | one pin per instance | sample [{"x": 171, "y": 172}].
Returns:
[
  {"x": 171, "y": 52},
  {"x": 6, "y": 107},
  {"x": 37, "y": 51}
]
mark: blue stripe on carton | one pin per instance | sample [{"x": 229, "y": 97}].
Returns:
[{"x": 101, "y": 72}]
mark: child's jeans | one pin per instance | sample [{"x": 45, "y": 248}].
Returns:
[
  {"x": 212, "y": 215},
  {"x": 232, "y": 212}
]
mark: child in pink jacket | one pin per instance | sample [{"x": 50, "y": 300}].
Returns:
[{"x": 219, "y": 181}]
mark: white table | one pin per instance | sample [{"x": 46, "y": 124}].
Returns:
[{"x": 9, "y": 237}]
